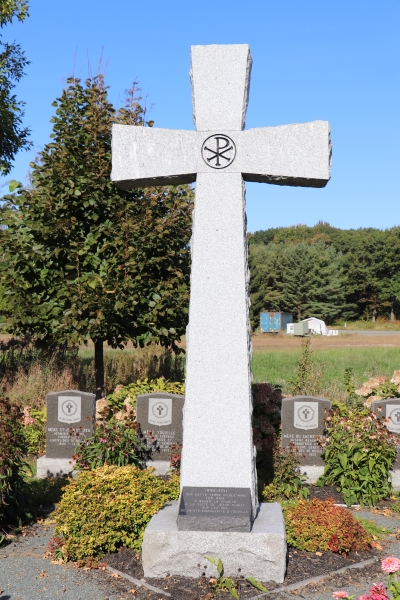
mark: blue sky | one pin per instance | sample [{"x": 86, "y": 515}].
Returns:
[{"x": 312, "y": 59}]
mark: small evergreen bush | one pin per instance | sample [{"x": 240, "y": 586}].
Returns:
[
  {"x": 109, "y": 507},
  {"x": 359, "y": 453},
  {"x": 314, "y": 525}
]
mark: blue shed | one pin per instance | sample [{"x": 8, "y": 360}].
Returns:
[{"x": 274, "y": 321}]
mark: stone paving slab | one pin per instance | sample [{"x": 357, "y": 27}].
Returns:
[{"x": 26, "y": 575}]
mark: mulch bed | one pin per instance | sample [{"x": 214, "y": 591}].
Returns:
[{"x": 301, "y": 565}]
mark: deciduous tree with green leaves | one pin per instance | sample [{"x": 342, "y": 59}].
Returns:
[
  {"x": 13, "y": 137},
  {"x": 84, "y": 260}
]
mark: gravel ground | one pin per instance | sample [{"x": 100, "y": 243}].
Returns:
[{"x": 26, "y": 575}]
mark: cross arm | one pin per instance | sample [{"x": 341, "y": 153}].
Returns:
[
  {"x": 144, "y": 156},
  {"x": 298, "y": 155}
]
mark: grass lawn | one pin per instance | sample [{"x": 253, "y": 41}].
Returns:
[
  {"x": 378, "y": 325},
  {"x": 275, "y": 357},
  {"x": 277, "y": 366}
]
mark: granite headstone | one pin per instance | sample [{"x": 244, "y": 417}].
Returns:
[
  {"x": 302, "y": 421},
  {"x": 389, "y": 409},
  {"x": 160, "y": 417},
  {"x": 70, "y": 419}
]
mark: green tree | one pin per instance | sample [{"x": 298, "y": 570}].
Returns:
[
  {"x": 305, "y": 279},
  {"x": 370, "y": 263},
  {"x": 13, "y": 137},
  {"x": 84, "y": 260}
]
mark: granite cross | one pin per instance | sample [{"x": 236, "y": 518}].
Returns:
[{"x": 218, "y": 451}]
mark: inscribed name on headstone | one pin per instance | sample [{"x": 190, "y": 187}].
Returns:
[
  {"x": 70, "y": 419},
  {"x": 215, "y": 509},
  {"x": 303, "y": 420},
  {"x": 161, "y": 415},
  {"x": 390, "y": 409}
]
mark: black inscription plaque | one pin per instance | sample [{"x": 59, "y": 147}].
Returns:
[
  {"x": 302, "y": 421},
  {"x": 160, "y": 415},
  {"x": 70, "y": 419},
  {"x": 215, "y": 509}
]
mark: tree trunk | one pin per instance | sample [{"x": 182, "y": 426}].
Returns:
[
  {"x": 374, "y": 315},
  {"x": 99, "y": 368},
  {"x": 392, "y": 317}
]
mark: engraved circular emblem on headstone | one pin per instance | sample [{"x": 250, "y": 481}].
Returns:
[
  {"x": 69, "y": 407},
  {"x": 218, "y": 151},
  {"x": 160, "y": 410},
  {"x": 395, "y": 416},
  {"x": 305, "y": 413}
]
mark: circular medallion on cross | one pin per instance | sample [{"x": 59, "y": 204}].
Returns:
[{"x": 218, "y": 151}]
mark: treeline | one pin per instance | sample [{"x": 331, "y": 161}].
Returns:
[{"x": 326, "y": 272}]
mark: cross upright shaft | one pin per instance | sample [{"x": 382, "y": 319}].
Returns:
[{"x": 218, "y": 449}]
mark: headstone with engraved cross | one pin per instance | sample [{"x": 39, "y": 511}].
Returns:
[
  {"x": 389, "y": 410},
  {"x": 70, "y": 418},
  {"x": 160, "y": 417},
  {"x": 302, "y": 422},
  {"x": 218, "y": 476}
]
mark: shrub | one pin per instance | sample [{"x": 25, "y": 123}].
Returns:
[
  {"x": 34, "y": 430},
  {"x": 287, "y": 480},
  {"x": 128, "y": 393},
  {"x": 267, "y": 402},
  {"x": 320, "y": 525},
  {"x": 109, "y": 507},
  {"x": 125, "y": 366},
  {"x": 359, "y": 453},
  {"x": 12, "y": 464},
  {"x": 20, "y": 355},
  {"x": 379, "y": 388},
  {"x": 30, "y": 386},
  {"x": 114, "y": 443}
]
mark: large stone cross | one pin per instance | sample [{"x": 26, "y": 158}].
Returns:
[{"x": 218, "y": 449}]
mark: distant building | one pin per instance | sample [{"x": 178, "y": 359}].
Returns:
[{"x": 272, "y": 322}]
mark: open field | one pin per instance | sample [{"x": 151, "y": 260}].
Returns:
[
  {"x": 275, "y": 357},
  {"x": 379, "y": 325}
]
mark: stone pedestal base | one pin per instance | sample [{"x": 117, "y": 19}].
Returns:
[
  {"x": 396, "y": 480},
  {"x": 161, "y": 466},
  {"x": 53, "y": 467},
  {"x": 260, "y": 553},
  {"x": 312, "y": 473}
]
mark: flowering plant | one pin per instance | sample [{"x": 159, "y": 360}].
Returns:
[
  {"x": 359, "y": 453},
  {"x": 379, "y": 388},
  {"x": 34, "y": 430},
  {"x": 113, "y": 443},
  {"x": 390, "y": 566}
]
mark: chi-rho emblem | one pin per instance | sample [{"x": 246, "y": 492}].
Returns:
[
  {"x": 160, "y": 411},
  {"x": 306, "y": 415},
  {"x": 69, "y": 409}
]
